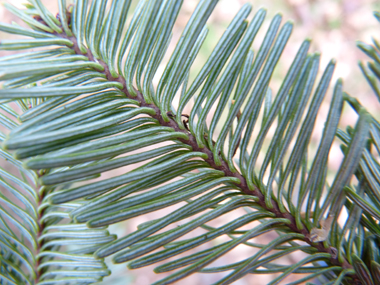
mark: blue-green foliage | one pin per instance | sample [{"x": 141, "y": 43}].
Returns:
[{"x": 84, "y": 103}]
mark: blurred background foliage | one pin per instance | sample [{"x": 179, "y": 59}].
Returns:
[{"x": 333, "y": 25}]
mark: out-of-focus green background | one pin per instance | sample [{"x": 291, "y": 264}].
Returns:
[{"x": 334, "y": 26}]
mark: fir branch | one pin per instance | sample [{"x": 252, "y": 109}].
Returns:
[
  {"x": 191, "y": 141},
  {"x": 84, "y": 120}
]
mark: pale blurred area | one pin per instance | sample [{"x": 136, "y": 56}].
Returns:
[{"x": 334, "y": 27}]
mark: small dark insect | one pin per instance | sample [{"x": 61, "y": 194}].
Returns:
[{"x": 185, "y": 122}]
